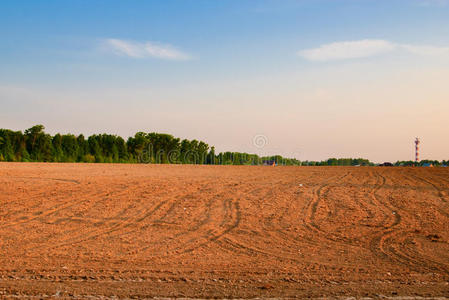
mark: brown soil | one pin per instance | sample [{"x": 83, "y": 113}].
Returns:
[{"x": 93, "y": 230}]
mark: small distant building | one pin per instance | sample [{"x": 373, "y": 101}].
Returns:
[
  {"x": 269, "y": 162},
  {"x": 427, "y": 165},
  {"x": 386, "y": 164}
]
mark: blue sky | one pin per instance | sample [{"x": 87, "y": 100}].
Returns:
[{"x": 317, "y": 78}]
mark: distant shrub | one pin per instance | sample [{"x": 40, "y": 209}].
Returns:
[{"x": 89, "y": 158}]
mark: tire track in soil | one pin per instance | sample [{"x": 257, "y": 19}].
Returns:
[
  {"x": 389, "y": 243},
  {"x": 311, "y": 209},
  {"x": 160, "y": 220},
  {"x": 47, "y": 178},
  {"x": 443, "y": 178},
  {"x": 237, "y": 247},
  {"x": 126, "y": 222},
  {"x": 48, "y": 211},
  {"x": 306, "y": 209},
  {"x": 231, "y": 245},
  {"x": 373, "y": 199},
  {"x": 39, "y": 215},
  {"x": 42, "y": 217},
  {"x": 280, "y": 232},
  {"x": 364, "y": 204},
  {"x": 93, "y": 234},
  {"x": 231, "y": 220},
  {"x": 292, "y": 239},
  {"x": 378, "y": 245},
  {"x": 191, "y": 231},
  {"x": 415, "y": 259},
  {"x": 229, "y": 209},
  {"x": 234, "y": 246},
  {"x": 416, "y": 256},
  {"x": 440, "y": 193},
  {"x": 96, "y": 221}
]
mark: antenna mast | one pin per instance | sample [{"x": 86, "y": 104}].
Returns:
[{"x": 417, "y": 141}]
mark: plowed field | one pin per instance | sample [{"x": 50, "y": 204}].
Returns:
[{"x": 104, "y": 230}]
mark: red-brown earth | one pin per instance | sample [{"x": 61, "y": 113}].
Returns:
[{"x": 104, "y": 230}]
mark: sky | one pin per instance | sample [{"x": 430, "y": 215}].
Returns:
[{"x": 309, "y": 79}]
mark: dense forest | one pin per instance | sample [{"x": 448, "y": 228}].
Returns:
[{"x": 34, "y": 145}]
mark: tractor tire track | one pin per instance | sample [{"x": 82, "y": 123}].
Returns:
[
  {"x": 310, "y": 217},
  {"x": 99, "y": 232},
  {"x": 389, "y": 244},
  {"x": 380, "y": 244}
]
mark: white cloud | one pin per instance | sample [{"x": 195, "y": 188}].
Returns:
[
  {"x": 347, "y": 50},
  {"x": 144, "y": 50},
  {"x": 426, "y": 50},
  {"x": 367, "y": 48}
]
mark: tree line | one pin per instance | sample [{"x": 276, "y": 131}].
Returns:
[
  {"x": 35, "y": 145},
  {"x": 408, "y": 163},
  {"x": 340, "y": 162}
]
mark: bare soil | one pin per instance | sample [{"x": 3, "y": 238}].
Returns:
[{"x": 136, "y": 231}]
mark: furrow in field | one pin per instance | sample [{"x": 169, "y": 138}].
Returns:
[
  {"x": 314, "y": 226},
  {"x": 380, "y": 243}
]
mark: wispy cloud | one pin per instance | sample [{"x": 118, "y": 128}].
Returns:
[
  {"x": 425, "y": 50},
  {"x": 144, "y": 49},
  {"x": 347, "y": 50},
  {"x": 366, "y": 48}
]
